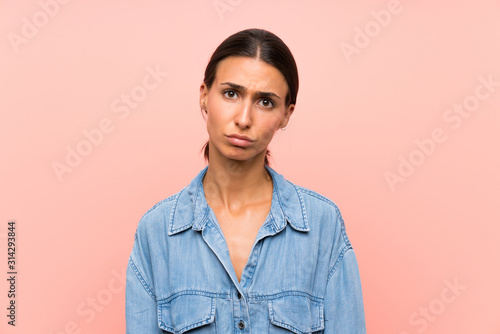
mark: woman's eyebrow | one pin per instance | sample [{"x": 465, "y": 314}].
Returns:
[{"x": 241, "y": 88}]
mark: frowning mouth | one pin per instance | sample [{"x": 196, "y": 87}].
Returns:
[{"x": 239, "y": 140}]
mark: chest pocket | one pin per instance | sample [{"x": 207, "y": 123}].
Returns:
[
  {"x": 295, "y": 314},
  {"x": 188, "y": 313}
]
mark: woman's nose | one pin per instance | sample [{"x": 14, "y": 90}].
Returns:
[{"x": 243, "y": 116}]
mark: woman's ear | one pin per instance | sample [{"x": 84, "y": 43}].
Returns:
[
  {"x": 203, "y": 96},
  {"x": 288, "y": 113}
]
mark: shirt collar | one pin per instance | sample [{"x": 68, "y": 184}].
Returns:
[{"x": 191, "y": 209}]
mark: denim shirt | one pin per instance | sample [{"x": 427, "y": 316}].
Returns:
[{"x": 301, "y": 276}]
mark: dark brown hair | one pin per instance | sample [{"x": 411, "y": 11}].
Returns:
[{"x": 261, "y": 44}]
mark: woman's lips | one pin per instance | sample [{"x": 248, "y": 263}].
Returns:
[{"x": 239, "y": 141}]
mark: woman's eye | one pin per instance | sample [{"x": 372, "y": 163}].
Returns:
[
  {"x": 267, "y": 103},
  {"x": 230, "y": 94}
]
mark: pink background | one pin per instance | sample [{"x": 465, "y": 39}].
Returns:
[{"x": 358, "y": 116}]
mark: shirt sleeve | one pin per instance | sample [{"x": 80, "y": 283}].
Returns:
[
  {"x": 140, "y": 301},
  {"x": 344, "y": 310}
]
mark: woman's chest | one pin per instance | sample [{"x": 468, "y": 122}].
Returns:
[
  {"x": 281, "y": 289},
  {"x": 203, "y": 314},
  {"x": 240, "y": 232}
]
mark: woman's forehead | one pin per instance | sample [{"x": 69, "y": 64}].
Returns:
[{"x": 250, "y": 73}]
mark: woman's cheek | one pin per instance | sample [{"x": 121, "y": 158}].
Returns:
[{"x": 267, "y": 132}]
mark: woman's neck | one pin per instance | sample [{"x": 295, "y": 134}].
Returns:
[{"x": 231, "y": 185}]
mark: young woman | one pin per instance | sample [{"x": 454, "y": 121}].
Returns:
[{"x": 241, "y": 249}]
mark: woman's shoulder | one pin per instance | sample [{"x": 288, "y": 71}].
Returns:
[
  {"x": 314, "y": 200},
  {"x": 321, "y": 213},
  {"x": 308, "y": 198},
  {"x": 318, "y": 199},
  {"x": 162, "y": 205},
  {"x": 159, "y": 214}
]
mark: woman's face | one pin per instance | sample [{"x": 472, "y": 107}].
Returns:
[{"x": 247, "y": 98}]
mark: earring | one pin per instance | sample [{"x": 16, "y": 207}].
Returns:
[{"x": 283, "y": 128}]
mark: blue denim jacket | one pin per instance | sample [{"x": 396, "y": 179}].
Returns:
[{"x": 301, "y": 276}]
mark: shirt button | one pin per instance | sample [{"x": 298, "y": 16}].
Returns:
[
  {"x": 239, "y": 295},
  {"x": 241, "y": 324}
]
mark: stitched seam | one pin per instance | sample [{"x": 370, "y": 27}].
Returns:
[
  {"x": 287, "y": 326},
  {"x": 321, "y": 318},
  {"x": 272, "y": 221},
  {"x": 258, "y": 245},
  {"x": 201, "y": 322},
  {"x": 160, "y": 320},
  {"x": 302, "y": 206},
  {"x": 332, "y": 204},
  {"x": 141, "y": 279},
  {"x": 223, "y": 295},
  {"x": 284, "y": 294},
  {"x": 168, "y": 199},
  {"x": 205, "y": 218},
  {"x": 280, "y": 206},
  {"x": 172, "y": 215},
  {"x": 343, "y": 231},
  {"x": 337, "y": 263},
  {"x": 314, "y": 327},
  {"x": 318, "y": 196},
  {"x": 207, "y": 221}
]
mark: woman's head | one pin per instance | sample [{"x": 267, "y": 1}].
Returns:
[{"x": 261, "y": 64}]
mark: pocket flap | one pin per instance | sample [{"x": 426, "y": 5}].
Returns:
[
  {"x": 186, "y": 312},
  {"x": 299, "y": 314}
]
